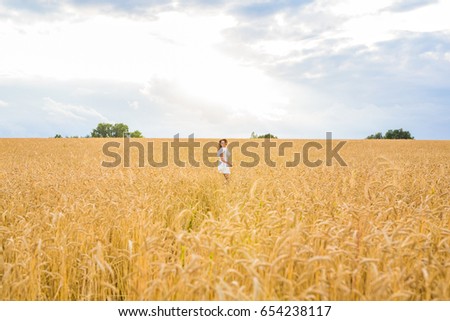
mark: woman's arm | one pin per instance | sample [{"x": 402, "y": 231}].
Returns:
[{"x": 224, "y": 161}]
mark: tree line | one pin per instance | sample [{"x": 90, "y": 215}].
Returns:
[
  {"x": 110, "y": 130},
  {"x": 122, "y": 130}
]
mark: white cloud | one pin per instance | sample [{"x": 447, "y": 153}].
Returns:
[
  {"x": 447, "y": 56},
  {"x": 351, "y": 8},
  {"x": 221, "y": 89},
  {"x": 67, "y": 112},
  {"x": 107, "y": 47},
  {"x": 134, "y": 105},
  {"x": 257, "y": 70},
  {"x": 325, "y": 27},
  {"x": 3, "y": 103}
]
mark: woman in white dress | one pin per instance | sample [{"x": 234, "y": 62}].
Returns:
[{"x": 224, "y": 164}]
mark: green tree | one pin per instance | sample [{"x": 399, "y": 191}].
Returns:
[
  {"x": 103, "y": 130},
  {"x": 58, "y": 136},
  {"x": 268, "y": 136},
  {"x": 253, "y": 135},
  {"x": 119, "y": 130},
  {"x": 136, "y": 134},
  {"x": 378, "y": 135},
  {"x": 392, "y": 134},
  {"x": 398, "y": 134},
  {"x": 116, "y": 130}
]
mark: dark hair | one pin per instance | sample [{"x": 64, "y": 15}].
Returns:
[{"x": 223, "y": 139}]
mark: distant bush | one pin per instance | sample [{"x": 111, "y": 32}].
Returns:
[
  {"x": 392, "y": 134},
  {"x": 254, "y": 135}
]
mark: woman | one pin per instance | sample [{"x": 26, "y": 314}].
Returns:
[{"x": 224, "y": 164}]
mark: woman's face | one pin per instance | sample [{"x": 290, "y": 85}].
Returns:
[{"x": 223, "y": 143}]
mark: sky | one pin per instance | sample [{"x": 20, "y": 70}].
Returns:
[{"x": 296, "y": 69}]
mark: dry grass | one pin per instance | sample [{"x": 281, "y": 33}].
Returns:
[{"x": 378, "y": 229}]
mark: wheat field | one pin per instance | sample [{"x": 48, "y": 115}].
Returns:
[{"x": 376, "y": 229}]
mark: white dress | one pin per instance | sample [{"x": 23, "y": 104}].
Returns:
[{"x": 223, "y": 167}]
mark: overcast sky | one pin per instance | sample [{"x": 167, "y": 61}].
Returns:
[{"x": 296, "y": 69}]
